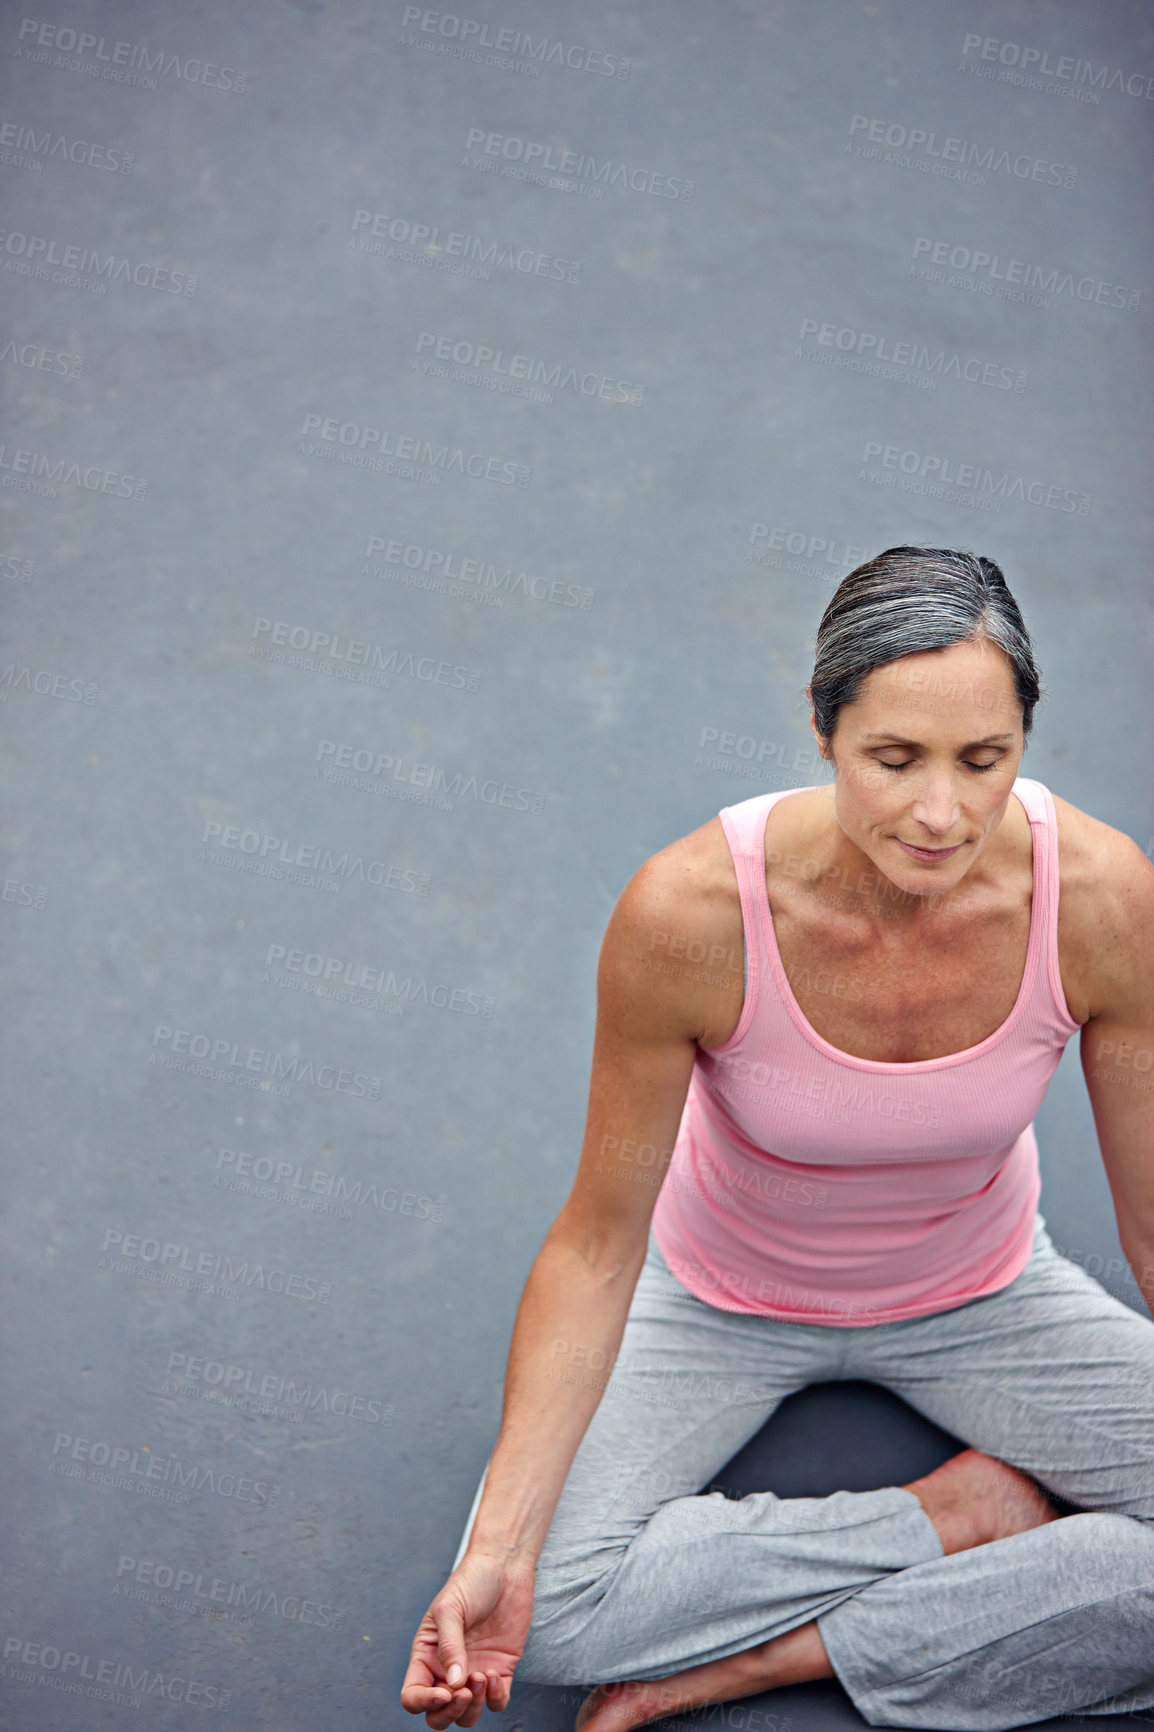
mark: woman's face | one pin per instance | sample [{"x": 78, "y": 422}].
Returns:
[{"x": 926, "y": 760}]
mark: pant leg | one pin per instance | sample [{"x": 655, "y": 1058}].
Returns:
[
  {"x": 1052, "y": 1622},
  {"x": 1056, "y": 1377},
  {"x": 641, "y": 1573}
]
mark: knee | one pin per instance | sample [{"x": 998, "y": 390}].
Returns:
[
  {"x": 1141, "y": 1506},
  {"x": 1131, "y": 1497},
  {"x": 1107, "y": 1552},
  {"x": 553, "y": 1656},
  {"x": 1141, "y": 1509},
  {"x": 1122, "y": 1486},
  {"x": 567, "y": 1637},
  {"x": 1140, "y": 1500},
  {"x": 538, "y": 1665}
]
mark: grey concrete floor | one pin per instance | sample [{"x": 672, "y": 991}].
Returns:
[{"x": 256, "y": 447}]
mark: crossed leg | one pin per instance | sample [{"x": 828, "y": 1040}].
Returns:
[
  {"x": 1058, "y": 1378},
  {"x": 972, "y": 1500}
]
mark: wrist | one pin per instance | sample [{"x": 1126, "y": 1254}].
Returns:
[{"x": 515, "y": 1557}]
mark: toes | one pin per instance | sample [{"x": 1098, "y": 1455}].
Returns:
[
  {"x": 620, "y": 1707},
  {"x": 596, "y": 1713}
]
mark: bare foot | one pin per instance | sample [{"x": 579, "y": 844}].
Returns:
[
  {"x": 974, "y": 1498},
  {"x": 795, "y": 1658}
]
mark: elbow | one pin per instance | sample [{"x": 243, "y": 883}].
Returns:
[{"x": 596, "y": 1252}]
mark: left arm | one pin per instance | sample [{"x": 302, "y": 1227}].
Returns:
[{"x": 1118, "y": 1038}]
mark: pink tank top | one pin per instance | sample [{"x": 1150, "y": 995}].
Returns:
[{"x": 816, "y": 1187}]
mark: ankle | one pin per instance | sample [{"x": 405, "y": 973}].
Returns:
[
  {"x": 798, "y": 1657},
  {"x": 957, "y": 1522}
]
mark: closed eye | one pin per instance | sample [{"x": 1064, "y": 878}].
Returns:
[{"x": 979, "y": 768}]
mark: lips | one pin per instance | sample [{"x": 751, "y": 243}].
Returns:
[{"x": 927, "y": 854}]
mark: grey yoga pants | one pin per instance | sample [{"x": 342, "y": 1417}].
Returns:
[{"x": 641, "y": 1575}]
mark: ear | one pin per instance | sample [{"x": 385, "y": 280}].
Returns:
[{"x": 821, "y": 743}]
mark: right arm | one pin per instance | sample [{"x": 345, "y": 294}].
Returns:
[{"x": 575, "y": 1302}]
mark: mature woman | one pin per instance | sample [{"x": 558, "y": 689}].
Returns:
[{"x": 817, "y": 1163}]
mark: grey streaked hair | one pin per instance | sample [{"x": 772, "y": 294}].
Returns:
[{"x": 909, "y": 600}]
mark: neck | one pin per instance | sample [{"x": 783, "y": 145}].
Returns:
[{"x": 847, "y": 871}]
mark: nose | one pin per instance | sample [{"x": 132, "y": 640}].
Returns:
[{"x": 936, "y": 807}]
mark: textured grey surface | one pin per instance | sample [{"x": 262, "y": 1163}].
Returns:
[{"x": 653, "y": 604}]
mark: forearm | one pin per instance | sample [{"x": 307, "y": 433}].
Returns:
[
  {"x": 1140, "y": 1256},
  {"x": 566, "y": 1337}
]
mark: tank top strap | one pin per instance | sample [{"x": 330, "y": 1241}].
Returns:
[
  {"x": 1039, "y": 807},
  {"x": 744, "y": 826}
]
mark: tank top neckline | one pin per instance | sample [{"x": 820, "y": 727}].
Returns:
[{"x": 1037, "y": 937}]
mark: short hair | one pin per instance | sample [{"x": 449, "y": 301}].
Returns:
[{"x": 909, "y": 600}]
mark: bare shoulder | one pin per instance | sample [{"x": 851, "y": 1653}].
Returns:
[
  {"x": 1096, "y": 860},
  {"x": 677, "y": 927},
  {"x": 685, "y": 895},
  {"x": 1106, "y": 908}
]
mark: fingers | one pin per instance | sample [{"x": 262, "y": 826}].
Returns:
[
  {"x": 498, "y": 1692},
  {"x": 423, "y": 1698},
  {"x": 451, "y": 1646},
  {"x": 489, "y": 1691},
  {"x": 459, "y": 1707},
  {"x": 441, "y": 1713},
  {"x": 464, "y": 1709},
  {"x": 445, "y": 1717},
  {"x": 472, "y": 1713}
]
